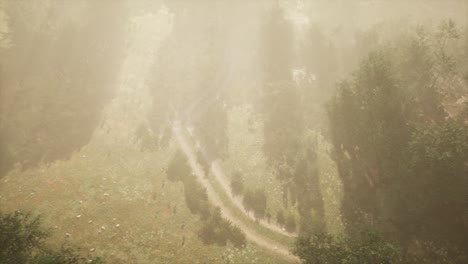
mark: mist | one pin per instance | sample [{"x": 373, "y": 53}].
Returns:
[{"x": 270, "y": 131}]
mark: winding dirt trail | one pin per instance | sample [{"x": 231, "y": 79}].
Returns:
[
  {"x": 214, "y": 198},
  {"x": 221, "y": 178}
]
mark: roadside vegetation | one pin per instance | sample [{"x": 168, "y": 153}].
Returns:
[
  {"x": 215, "y": 229},
  {"x": 23, "y": 239}
]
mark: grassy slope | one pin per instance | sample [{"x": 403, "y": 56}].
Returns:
[{"x": 109, "y": 188}]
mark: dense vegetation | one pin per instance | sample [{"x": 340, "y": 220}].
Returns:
[
  {"x": 57, "y": 80},
  {"x": 215, "y": 229},
  {"x": 366, "y": 248},
  {"x": 23, "y": 240},
  {"x": 385, "y": 103},
  {"x": 400, "y": 143}
]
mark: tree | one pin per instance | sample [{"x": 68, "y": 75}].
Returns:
[
  {"x": 399, "y": 153},
  {"x": 217, "y": 230},
  {"x": 237, "y": 184},
  {"x": 178, "y": 168},
  {"x": 69, "y": 78},
  {"x": 280, "y": 218},
  {"x": 285, "y": 105},
  {"x": 290, "y": 224},
  {"x": 256, "y": 201},
  {"x": 196, "y": 198}
]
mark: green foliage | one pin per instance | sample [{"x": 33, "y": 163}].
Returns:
[
  {"x": 196, "y": 198},
  {"x": 211, "y": 129},
  {"x": 434, "y": 253},
  {"x": 290, "y": 224},
  {"x": 20, "y": 234},
  {"x": 22, "y": 240},
  {"x": 256, "y": 201},
  {"x": 237, "y": 184},
  {"x": 283, "y": 123},
  {"x": 287, "y": 106},
  {"x": 217, "y": 230},
  {"x": 55, "y": 104},
  {"x": 401, "y": 157},
  {"x": 178, "y": 168},
  {"x": 438, "y": 154},
  {"x": 65, "y": 256},
  {"x": 280, "y": 218},
  {"x": 368, "y": 248}
]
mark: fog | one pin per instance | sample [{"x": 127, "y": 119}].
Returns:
[{"x": 270, "y": 131}]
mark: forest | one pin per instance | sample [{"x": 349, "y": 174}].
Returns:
[{"x": 270, "y": 131}]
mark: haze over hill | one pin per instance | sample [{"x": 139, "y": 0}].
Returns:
[{"x": 233, "y": 131}]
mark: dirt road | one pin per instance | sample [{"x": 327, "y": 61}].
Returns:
[{"x": 214, "y": 198}]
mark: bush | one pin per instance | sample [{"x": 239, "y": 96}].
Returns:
[
  {"x": 237, "y": 184},
  {"x": 290, "y": 223},
  {"x": 196, "y": 198},
  {"x": 22, "y": 240},
  {"x": 217, "y": 230},
  {"x": 280, "y": 218},
  {"x": 178, "y": 169},
  {"x": 65, "y": 256},
  {"x": 20, "y": 234},
  {"x": 368, "y": 248},
  {"x": 256, "y": 201}
]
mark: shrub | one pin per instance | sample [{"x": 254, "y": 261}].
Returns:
[
  {"x": 256, "y": 201},
  {"x": 196, "y": 198},
  {"x": 65, "y": 256},
  {"x": 280, "y": 218},
  {"x": 290, "y": 223},
  {"x": 22, "y": 240},
  {"x": 217, "y": 230},
  {"x": 20, "y": 234},
  {"x": 178, "y": 169},
  {"x": 368, "y": 248},
  {"x": 237, "y": 184}
]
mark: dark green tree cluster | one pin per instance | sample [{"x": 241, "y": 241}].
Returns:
[
  {"x": 195, "y": 194},
  {"x": 237, "y": 184},
  {"x": 401, "y": 141},
  {"x": 255, "y": 201},
  {"x": 217, "y": 230},
  {"x": 288, "y": 221},
  {"x": 59, "y": 77},
  {"x": 22, "y": 241}
]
